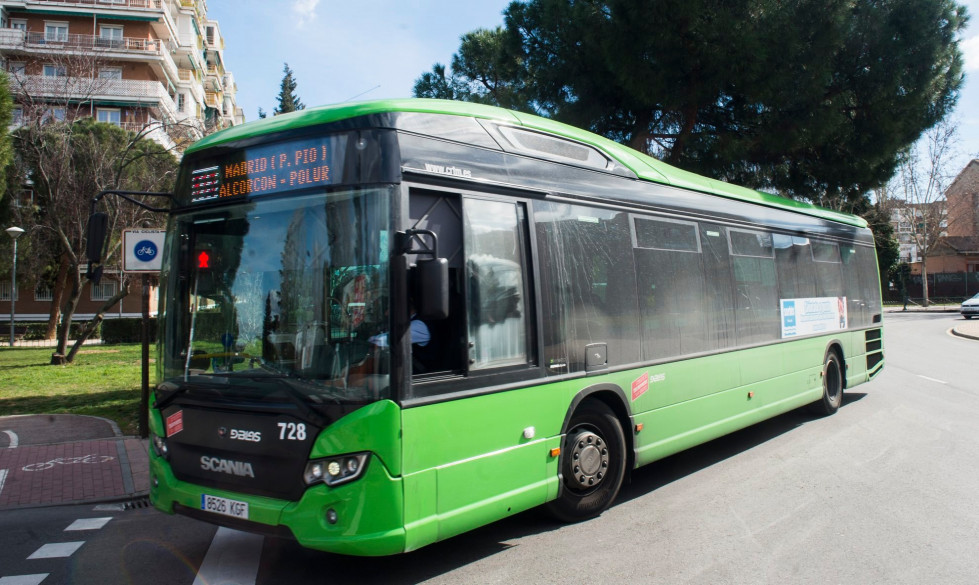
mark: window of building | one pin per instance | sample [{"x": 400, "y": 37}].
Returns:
[
  {"x": 55, "y": 71},
  {"x": 53, "y": 115},
  {"x": 18, "y": 24},
  {"x": 104, "y": 290},
  {"x": 17, "y": 115},
  {"x": 110, "y": 73},
  {"x": 5, "y": 290},
  {"x": 110, "y": 36},
  {"x": 43, "y": 292},
  {"x": 109, "y": 116},
  {"x": 17, "y": 67},
  {"x": 56, "y": 32},
  {"x": 181, "y": 102}
]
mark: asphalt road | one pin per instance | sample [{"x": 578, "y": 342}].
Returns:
[{"x": 885, "y": 491}]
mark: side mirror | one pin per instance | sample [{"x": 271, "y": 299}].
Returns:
[
  {"x": 432, "y": 288},
  {"x": 95, "y": 241}
]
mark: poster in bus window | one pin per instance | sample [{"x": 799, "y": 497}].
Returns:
[{"x": 813, "y": 316}]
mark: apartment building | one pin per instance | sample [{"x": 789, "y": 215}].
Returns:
[{"x": 155, "y": 65}]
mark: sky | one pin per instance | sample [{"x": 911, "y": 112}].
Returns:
[{"x": 372, "y": 49}]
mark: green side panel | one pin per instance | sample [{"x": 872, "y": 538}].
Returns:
[
  {"x": 645, "y": 167},
  {"x": 468, "y": 462},
  {"x": 375, "y": 428}
]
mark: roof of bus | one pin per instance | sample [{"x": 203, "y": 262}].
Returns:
[{"x": 645, "y": 167}]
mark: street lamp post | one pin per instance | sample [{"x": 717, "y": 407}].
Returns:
[{"x": 14, "y": 233}]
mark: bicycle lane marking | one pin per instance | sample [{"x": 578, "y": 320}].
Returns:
[
  {"x": 62, "y": 473},
  {"x": 13, "y": 443}
]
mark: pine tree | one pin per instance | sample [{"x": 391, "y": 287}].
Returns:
[{"x": 288, "y": 100}]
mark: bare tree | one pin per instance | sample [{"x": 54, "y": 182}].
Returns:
[{"x": 922, "y": 179}]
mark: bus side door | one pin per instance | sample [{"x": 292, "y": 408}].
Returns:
[{"x": 475, "y": 451}]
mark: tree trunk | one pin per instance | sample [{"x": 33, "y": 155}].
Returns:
[
  {"x": 924, "y": 283},
  {"x": 85, "y": 332},
  {"x": 67, "y": 312},
  {"x": 60, "y": 284}
]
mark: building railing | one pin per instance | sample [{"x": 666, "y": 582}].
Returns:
[
  {"x": 85, "y": 89},
  {"x": 91, "y": 42},
  {"x": 109, "y": 4}
]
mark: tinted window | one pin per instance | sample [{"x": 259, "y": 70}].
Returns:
[
  {"x": 588, "y": 285},
  {"x": 667, "y": 235},
  {"x": 826, "y": 264},
  {"x": 756, "y": 294},
  {"x": 793, "y": 261}
]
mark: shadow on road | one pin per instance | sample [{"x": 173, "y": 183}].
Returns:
[{"x": 287, "y": 562}]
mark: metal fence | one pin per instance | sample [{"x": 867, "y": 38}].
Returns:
[{"x": 954, "y": 286}]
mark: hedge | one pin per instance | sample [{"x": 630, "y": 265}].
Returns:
[{"x": 126, "y": 330}]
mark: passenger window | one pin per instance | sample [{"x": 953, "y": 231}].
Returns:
[
  {"x": 496, "y": 277},
  {"x": 588, "y": 285}
]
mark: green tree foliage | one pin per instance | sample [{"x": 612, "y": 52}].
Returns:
[
  {"x": 6, "y": 151},
  {"x": 486, "y": 70},
  {"x": 288, "y": 100},
  {"x": 808, "y": 98}
]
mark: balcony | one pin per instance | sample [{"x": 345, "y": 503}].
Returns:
[
  {"x": 137, "y": 93},
  {"x": 11, "y": 39},
  {"x": 98, "y": 4}
]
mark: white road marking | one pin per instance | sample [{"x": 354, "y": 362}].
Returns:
[
  {"x": 88, "y": 524},
  {"x": 233, "y": 557},
  {"x": 932, "y": 379},
  {"x": 23, "y": 579},
  {"x": 57, "y": 550},
  {"x": 14, "y": 440},
  {"x": 3, "y": 479}
]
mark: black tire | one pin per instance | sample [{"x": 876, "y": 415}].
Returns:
[
  {"x": 967, "y": 316},
  {"x": 832, "y": 376},
  {"x": 593, "y": 461}
]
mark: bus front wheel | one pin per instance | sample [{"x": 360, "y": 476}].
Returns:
[
  {"x": 832, "y": 386},
  {"x": 592, "y": 464}
]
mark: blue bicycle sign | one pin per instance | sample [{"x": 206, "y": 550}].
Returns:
[{"x": 146, "y": 250}]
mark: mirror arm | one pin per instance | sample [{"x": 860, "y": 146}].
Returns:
[{"x": 94, "y": 253}]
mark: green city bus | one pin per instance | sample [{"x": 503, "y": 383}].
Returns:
[{"x": 386, "y": 323}]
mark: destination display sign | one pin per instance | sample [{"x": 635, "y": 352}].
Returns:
[{"x": 265, "y": 169}]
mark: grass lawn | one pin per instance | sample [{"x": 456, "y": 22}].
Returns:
[{"x": 103, "y": 381}]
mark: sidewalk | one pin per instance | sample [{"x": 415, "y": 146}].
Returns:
[{"x": 68, "y": 459}]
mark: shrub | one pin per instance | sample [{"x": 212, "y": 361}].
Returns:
[{"x": 126, "y": 330}]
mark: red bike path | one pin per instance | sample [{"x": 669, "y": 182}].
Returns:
[{"x": 68, "y": 459}]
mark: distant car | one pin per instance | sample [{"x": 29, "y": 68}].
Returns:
[{"x": 970, "y": 307}]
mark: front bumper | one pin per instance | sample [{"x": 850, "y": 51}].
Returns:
[{"x": 368, "y": 511}]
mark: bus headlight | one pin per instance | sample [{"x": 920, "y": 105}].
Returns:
[
  {"x": 335, "y": 470},
  {"x": 160, "y": 447}
]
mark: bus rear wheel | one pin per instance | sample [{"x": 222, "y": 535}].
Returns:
[
  {"x": 592, "y": 464},
  {"x": 832, "y": 397}
]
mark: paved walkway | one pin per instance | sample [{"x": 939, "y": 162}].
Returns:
[{"x": 68, "y": 459}]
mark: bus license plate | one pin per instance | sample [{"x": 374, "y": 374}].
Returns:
[{"x": 224, "y": 506}]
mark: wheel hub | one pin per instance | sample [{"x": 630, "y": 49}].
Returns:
[{"x": 589, "y": 460}]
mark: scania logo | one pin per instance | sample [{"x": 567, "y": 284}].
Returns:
[
  {"x": 223, "y": 432},
  {"x": 229, "y": 466}
]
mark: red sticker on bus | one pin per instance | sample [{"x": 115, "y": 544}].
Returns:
[
  {"x": 640, "y": 385},
  {"x": 175, "y": 423}
]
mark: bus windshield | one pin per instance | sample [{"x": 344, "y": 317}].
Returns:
[{"x": 279, "y": 296}]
